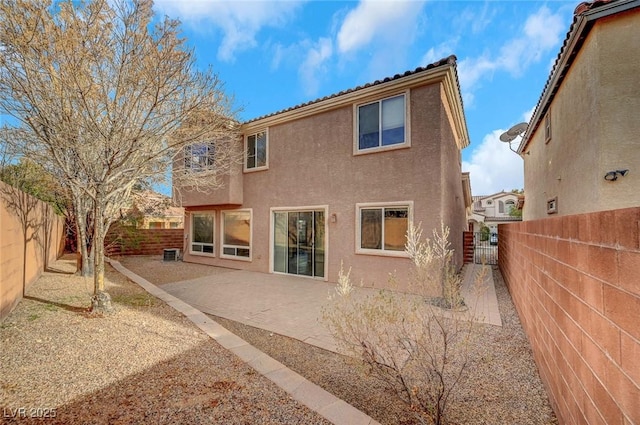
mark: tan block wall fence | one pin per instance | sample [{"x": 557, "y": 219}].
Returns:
[
  {"x": 575, "y": 281},
  {"x": 12, "y": 244}
]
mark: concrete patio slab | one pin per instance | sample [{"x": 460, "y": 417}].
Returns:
[
  {"x": 292, "y": 306},
  {"x": 314, "y": 397}
]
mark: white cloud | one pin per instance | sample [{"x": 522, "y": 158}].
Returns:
[
  {"x": 494, "y": 167},
  {"x": 313, "y": 67},
  {"x": 528, "y": 114},
  {"x": 372, "y": 19},
  {"x": 240, "y": 21},
  {"x": 540, "y": 33}
]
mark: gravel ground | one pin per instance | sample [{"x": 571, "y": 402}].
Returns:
[
  {"x": 502, "y": 385},
  {"x": 144, "y": 364}
]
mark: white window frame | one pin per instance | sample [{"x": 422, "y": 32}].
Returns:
[
  {"x": 246, "y": 156},
  {"x": 325, "y": 209},
  {"x": 223, "y": 245},
  {"x": 372, "y": 205},
  {"x": 380, "y": 148},
  {"x": 210, "y": 157},
  {"x": 547, "y": 127},
  {"x": 191, "y": 233}
]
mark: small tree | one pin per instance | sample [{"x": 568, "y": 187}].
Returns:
[
  {"x": 108, "y": 99},
  {"x": 419, "y": 350}
]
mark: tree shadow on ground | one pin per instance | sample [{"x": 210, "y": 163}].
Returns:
[
  {"x": 71, "y": 308},
  {"x": 57, "y": 271},
  {"x": 201, "y": 385}
]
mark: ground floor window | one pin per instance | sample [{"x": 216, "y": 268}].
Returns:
[
  {"x": 202, "y": 230},
  {"x": 382, "y": 228},
  {"x": 236, "y": 234}
]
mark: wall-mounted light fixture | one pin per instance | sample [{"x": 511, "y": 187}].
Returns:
[
  {"x": 612, "y": 176},
  {"x": 334, "y": 218}
]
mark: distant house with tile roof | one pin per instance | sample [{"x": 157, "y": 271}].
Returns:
[
  {"x": 338, "y": 180},
  {"x": 491, "y": 210},
  {"x": 153, "y": 210},
  {"x": 581, "y": 149}
]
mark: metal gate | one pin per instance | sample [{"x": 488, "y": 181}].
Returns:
[{"x": 485, "y": 248}]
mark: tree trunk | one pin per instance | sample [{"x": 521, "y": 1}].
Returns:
[
  {"x": 85, "y": 265},
  {"x": 101, "y": 300}
]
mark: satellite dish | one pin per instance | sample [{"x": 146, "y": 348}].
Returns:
[
  {"x": 518, "y": 129},
  {"x": 511, "y": 134},
  {"x": 506, "y": 137}
]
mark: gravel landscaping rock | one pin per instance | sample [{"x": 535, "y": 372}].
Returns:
[
  {"x": 502, "y": 385},
  {"x": 145, "y": 363}
]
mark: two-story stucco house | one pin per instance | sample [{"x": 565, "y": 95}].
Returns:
[
  {"x": 581, "y": 149},
  {"x": 338, "y": 180},
  {"x": 491, "y": 210}
]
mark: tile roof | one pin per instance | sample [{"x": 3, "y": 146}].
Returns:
[
  {"x": 450, "y": 60},
  {"x": 573, "y": 41}
]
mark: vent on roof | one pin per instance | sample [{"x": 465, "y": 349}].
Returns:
[{"x": 172, "y": 254}]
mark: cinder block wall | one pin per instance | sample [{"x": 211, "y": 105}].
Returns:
[
  {"x": 24, "y": 257},
  {"x": 575, "y": 281},
  {"x": 131, "y": 241}
]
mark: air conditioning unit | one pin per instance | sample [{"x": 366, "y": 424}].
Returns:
[{"x": 171, "y": 254}]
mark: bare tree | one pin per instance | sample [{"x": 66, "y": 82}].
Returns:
[
  {"x": 109, "y": 99},
  {"x": 417, "y": 346}
]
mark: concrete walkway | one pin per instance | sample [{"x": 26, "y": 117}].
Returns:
[{"x": 290, "y": 306}]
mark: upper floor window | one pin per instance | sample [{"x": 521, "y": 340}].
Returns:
[
  {"x": 547, "y": 127},
  {"x": 256, "y": 151},
  {"x": 199, "y": 156},
  {"x": 382, "y": 123},
  {"x": 510, "y": 206}
]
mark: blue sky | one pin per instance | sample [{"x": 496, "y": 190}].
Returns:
[{"x": 276, "y": 54}]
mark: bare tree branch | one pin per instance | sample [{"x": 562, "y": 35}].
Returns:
[{"x": 109, "y": 99}]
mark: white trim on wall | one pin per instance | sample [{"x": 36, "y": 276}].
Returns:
[
  {"x": 358, "y": 229},
  {"x": 407, "y": 124},
  {"x": 325, "y": 209},
  {"x": 222, "y": 244}
]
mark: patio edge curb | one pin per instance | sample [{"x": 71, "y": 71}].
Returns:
[{"x": 304, "y": 391}]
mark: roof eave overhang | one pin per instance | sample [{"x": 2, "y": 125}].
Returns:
[
  {"x": 444, "y": 74},
  {"x": 583, "y": 24}
]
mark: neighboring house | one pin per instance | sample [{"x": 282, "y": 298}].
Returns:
[
  {"x": 491, "y": 210},
  {"x": 581, "y": 149},
  {"x": 338, "y": 180},
  {"x": 468, "y": 199},
  {"x": 152, "y": 210}
]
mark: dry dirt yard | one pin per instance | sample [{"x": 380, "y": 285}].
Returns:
[
  {"x": 502, "y": 385},
  {"x": 144, "y": 364},
  {"x": 149, "y": 364}
]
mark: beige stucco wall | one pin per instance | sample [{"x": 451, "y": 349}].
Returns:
[
  {"x": 12, "y": 240},
  {"x": 311, "y": 163},
  {"x": 595, "y": 127}
]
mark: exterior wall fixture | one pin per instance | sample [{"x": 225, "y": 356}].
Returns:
[
  {"x": 612, "y": 176},
  {"x": 511, "y": 134}
]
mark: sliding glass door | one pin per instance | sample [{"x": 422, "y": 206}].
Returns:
[{"x": 299, "y": 242}]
